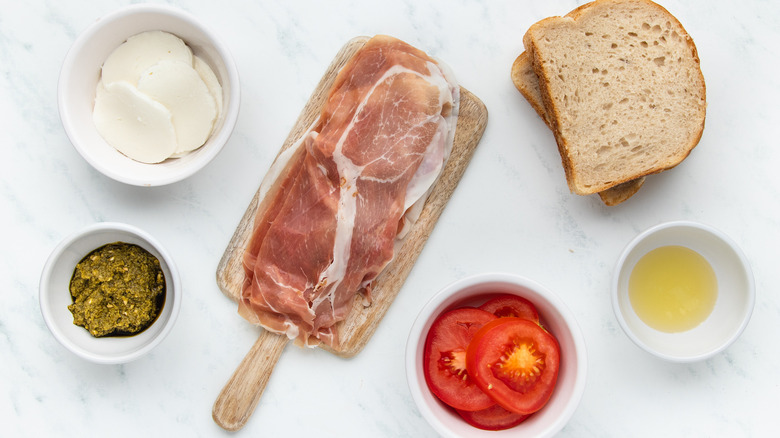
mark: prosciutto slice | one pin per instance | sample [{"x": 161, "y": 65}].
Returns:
[{"x": 335, "y": 204}]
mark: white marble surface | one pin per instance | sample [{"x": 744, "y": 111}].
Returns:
[{"x": 512, "y": 212}]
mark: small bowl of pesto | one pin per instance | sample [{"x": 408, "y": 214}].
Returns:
[{"x": 110, "y": 293}]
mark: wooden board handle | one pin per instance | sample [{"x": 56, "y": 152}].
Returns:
[{"x": 238, "y": 398}]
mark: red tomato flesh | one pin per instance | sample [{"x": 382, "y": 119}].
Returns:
[
  {"x": 511, "y": 305},
  {"x": 516, "y": 362},
  {"x": 444, "y": 359},
  {"x": 493, "y": 418}
]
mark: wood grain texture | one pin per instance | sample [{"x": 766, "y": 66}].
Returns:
[
  {"x": 236, "y": 403},
  {"x": 238, "y": 398}
]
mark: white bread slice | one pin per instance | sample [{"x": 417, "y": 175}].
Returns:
[
  {"x": 525, "y": 80},
  {"x": 623, "y": 88},
  {"x": 619, "y": 193}
]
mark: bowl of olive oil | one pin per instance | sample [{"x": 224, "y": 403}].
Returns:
[{"x": 683, "y": 291}]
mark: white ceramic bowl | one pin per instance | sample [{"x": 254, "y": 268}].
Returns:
[
  {"x": 55, "y": 296},
  {"x": 555, "y": 316},
  {"x": 81, "y": 72},
  {"x": 734, "y": 305}
]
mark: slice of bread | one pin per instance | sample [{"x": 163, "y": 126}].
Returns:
[
  {"x": 619, "y": 193},
  {"x": 622, "y": 86},
  {"x": 525, "y": 80}
]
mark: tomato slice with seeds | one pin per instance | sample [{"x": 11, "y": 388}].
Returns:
[
  {"x": 511, "y": 305},
  {"x": 516, "y": 362},
  {"x": 444, "y": 358},
  {"x": 493, "y": 418}
]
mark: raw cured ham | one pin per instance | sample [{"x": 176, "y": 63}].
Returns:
[{"x": 336, "y": 203}]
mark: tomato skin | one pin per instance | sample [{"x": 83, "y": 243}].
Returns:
[
  {"x": 493, "y": 418},
  {"x": 511, "y": 305},
  {"x": 514, "y": 338},
  {"x": 444, "y": 358}
]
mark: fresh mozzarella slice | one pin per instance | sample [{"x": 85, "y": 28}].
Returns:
[
  {"x": 128, "y": 61},
  {"x": 211, "y": 81},
  {"x": 179, "y": 88},
  {"x": 134, "y": 124}
]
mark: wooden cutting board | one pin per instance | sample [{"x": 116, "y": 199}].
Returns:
[{"x": 240, "y": 395}]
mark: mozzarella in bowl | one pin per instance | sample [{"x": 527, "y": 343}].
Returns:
[
  {"x": 82, "y": 70},
  {"x": 155, "y": 99}
]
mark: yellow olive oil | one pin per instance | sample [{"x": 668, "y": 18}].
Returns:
[{"x": 673, "y": 288}]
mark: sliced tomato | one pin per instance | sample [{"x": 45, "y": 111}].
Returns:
[
  {"x": 493, "y": 418},
  {"x": 516, "y": 362},
  {"x": 444, "y": 358},
  {"x": 511, "y": 305}
]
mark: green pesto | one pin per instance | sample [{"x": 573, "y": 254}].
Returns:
[{"x": 117, "y": 290}]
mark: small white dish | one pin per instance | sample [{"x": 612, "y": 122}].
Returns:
[
  {"x": 55, "y": 295},
  {"x": 80, "y": 74},
  {"x": 733, "y": 307},
  {"x": 554, "y": 315}
]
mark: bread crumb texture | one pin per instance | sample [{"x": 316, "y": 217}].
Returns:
[{"x": 623, "y": 84}]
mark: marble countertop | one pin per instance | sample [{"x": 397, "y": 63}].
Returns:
[{"x": 512, "y": 212}]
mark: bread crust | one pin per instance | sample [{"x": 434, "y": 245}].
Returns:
[
  {"x": 556, "y": 115},
  {"x": 524, "y": 78}
]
